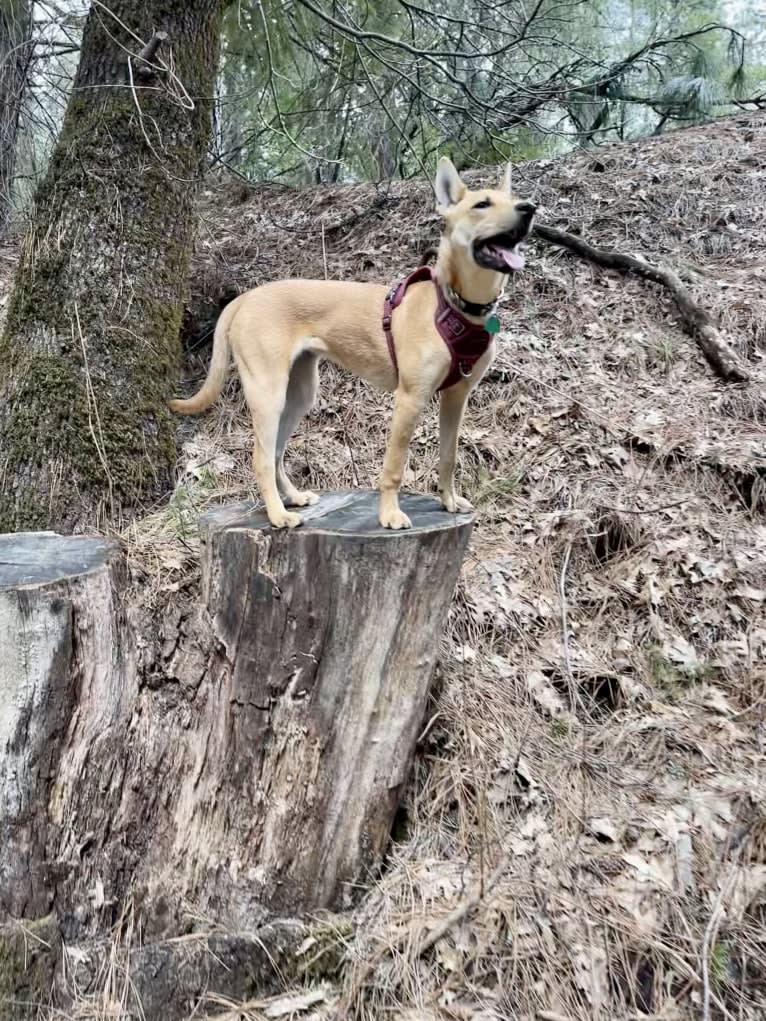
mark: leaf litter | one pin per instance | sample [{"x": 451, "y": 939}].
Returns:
[{"x": 602, "y": 730}]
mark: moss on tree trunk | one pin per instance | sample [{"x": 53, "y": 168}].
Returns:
[{"x": 91, "y": 342}]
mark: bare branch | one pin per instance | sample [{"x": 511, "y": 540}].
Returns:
[{"x": 697, "y": 322}]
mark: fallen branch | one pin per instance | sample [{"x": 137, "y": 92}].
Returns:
[{"x": 696, "y": 321}]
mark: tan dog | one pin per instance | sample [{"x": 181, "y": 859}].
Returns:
[{"x": 280, "y": 331}]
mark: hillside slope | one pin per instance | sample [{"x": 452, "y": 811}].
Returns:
[
  {"x": 593, "y": 762},
  {"x": 597, "y": 731}
]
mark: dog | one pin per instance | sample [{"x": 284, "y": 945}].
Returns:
[{"x": 399, "y": 340}]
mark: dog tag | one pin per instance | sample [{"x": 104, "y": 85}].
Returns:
[{"x": 492, "y": 325}]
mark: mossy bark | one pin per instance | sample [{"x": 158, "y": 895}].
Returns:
[
  {"x": 175, "y": 979},
  {"x": 29, "y": 953},
  {"x": 91, "y": 342}
]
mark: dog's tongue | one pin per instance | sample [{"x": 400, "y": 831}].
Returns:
[{"x": 513, "y": 258}]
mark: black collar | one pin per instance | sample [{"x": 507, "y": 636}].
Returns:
[{"x": 470, "y": 308}]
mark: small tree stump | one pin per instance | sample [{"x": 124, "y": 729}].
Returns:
[
  {"x": 331, "y": 635},
  {"x": 57, "y": 642}
]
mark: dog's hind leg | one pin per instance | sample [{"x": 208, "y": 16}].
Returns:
[
  {"x": 451, "y": 411},
  {"x": 301, "y": 394},
  {"x": 266, "y": 401}
]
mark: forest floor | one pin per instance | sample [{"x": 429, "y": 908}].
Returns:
[{"x": 593, "y": 763}]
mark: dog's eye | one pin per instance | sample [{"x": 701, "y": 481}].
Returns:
[{"x": 483, "y": 204}]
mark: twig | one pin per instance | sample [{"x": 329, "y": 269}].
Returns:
[
  {"x": 350, "y": 449},
  {"x": 565, "y": 623},
  {"x": 647, "y": 510},
  {"x": 441, "y": 930},
  {"x": 324, "y": 252},
  {"x": 697, "y": 322},
  {"x": 464, "y": 908},
  {"x": 574, "y": 697}
]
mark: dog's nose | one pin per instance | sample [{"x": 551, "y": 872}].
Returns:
[{"x": 527, "y": 209}]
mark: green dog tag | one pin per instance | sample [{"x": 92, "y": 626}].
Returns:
[{"x": 492, "y": 325}]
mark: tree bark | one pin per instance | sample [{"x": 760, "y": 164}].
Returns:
[
  {"x": 29, "y": 955},
  {"x": 192, "y": 977},
  {"x": 243, "y": 754},
  {"x": 15, "y": 55},
  {"x": 91, "y": 342}
]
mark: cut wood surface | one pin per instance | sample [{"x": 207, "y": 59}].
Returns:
[{"x": 241, "y": 754}]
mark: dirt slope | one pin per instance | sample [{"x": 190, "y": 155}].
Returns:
[{"x": 598, "y": 725}]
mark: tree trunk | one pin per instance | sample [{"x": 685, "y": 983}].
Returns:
[
  {"x": 91, "y": 343},
  {"x": 243, "y": 754},
  {"x": 15, "y": 54}
]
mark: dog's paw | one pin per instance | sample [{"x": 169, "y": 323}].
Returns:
[
  {"x": 456, "y": 504},
  {"x": 286, "y": 520},
  {"x": 395, "y": 519},
  {"x": 303, "y": 498}
]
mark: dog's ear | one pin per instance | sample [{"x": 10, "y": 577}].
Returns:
[
  {"x": 448, "y": 186},
  {"x": 508, "y": 177}
]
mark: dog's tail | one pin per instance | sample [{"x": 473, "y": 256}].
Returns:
[{"x": 216, "y": 374}]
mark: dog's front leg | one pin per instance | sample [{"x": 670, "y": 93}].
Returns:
[
  {"x": 407, "y": 408},
  {"x": 450, "y": 417}
]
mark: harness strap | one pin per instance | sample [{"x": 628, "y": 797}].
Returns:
[
  {"x": 466, "y": 341},
  {"x": 394, "y": 299}
]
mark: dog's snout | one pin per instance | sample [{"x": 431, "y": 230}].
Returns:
[{"x": 527, "y": 209}]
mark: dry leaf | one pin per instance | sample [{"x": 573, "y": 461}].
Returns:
[
  {"x": 294, "y": 1004},
  {"x": 602, "y": 827}
]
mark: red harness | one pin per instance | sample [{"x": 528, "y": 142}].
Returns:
[{"x": 466, "y": 342}]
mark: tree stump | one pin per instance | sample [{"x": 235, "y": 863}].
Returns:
[
  {"x": 58, "y": 634},
  {"x": 242, "y": 753},
  {"x": 331, "y": 635}
]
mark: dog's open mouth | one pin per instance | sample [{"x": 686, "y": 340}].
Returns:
[{"x": 503, "y": 252}]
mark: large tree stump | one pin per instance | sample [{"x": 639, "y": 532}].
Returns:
[
  {"x": 243, "y": 753},
  {"x": 331, "y": 634}
]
